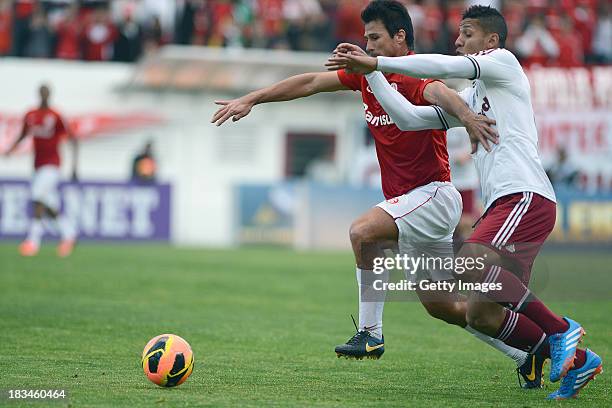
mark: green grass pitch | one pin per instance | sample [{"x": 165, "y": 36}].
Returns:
[{"x": 262, "y": 324}]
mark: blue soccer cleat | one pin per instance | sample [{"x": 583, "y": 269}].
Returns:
[
  {"x": 578, "y": 378},
  {"x": 563, "y": 349}
]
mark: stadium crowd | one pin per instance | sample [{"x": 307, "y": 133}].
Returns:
[{"x": 545, "y": 32}]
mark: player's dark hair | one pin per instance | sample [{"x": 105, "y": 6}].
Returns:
[
  {"x": 393, "y": 15},
  {"x": 490, "y": 20}
]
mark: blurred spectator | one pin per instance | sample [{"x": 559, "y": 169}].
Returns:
[
  {"x": 349, "y": 27},
  {"x": 304, "y": 20},
  {"x": 433, "y": 21},
  {"x": 39, "y": 38},
  {"x": 571, "y": 53},
  {"x": 6, "y": 24},
  {"x": 98, "y": 37},
  {"x": 545, "y": 32},
  {"x": 563, "y": 172},
  {"x": 23, "y": 10},
  {"x": 602, "y": 40},
  {"x": 129, "y": 40},
  {"x": 537, "y": 45},
  {"x": 69, "y": 35},
  {"x": 144, "y": 167}
]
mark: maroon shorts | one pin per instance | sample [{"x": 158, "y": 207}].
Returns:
[{"x": 516, "y": 226}]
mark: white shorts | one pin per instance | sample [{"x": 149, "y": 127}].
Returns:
[
  {"x": 426, "y": 218},
  {"x": 45, "y": 186}
]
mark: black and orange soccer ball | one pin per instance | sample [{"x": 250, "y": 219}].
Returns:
[{"x": 167, "y": 360}]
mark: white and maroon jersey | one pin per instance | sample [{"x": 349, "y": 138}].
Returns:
[{"x": 501, "y": 91}]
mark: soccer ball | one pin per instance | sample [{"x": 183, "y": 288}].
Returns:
[{"x": 167, "y": 360}]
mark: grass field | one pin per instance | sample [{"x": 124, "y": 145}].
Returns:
[{"x": 262, "y": 324}]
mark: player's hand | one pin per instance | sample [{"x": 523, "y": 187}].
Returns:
[
  {"x": 348, "y": 48},
  {"x": 480, "y": 128},
  {"x": 235, "y": 109},
  {"x": 360, "y": 64}
]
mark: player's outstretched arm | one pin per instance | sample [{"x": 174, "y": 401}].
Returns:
[
  {"x": 24, "y": 132},
  {"x": 408, "y": 116},
  {"x": 298, "y": 86}
]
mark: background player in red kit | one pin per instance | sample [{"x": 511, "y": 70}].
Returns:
[
  {"x": 47, "y": 128},
  {"x": 422, "y": 205}
]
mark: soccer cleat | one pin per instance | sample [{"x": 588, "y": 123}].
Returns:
[
  {"x": 28, "y": 248},
  {"x": 563, "y": 349},
  {"x": 532, "y": 372},
  {"x": 65, "y": 248},
  {"x": 361, "y": 345},
  {"x": 577, "y": 378}
]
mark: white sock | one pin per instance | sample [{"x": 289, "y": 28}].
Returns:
[
  {"x": 50, "y": 225},
  {"x": 36, "y": 231},
  {"x": 371, "y": 302},
  {"x": 67, "y": 228},
  {"x": 519, "y": 356}
]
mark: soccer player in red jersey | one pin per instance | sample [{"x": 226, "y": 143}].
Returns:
[
  {"x": 47, "y": 128},
  {"x": 422, "y": 205}
]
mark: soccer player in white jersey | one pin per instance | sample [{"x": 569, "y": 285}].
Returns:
[{"x": 520, "y": 207}]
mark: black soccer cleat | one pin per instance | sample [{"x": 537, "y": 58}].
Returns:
[
  {"x": 532, "y": 372},
  {"x": 362, "y": 345}
]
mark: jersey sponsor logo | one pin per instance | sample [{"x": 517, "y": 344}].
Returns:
[
  {"x": 393, "y": 200},
  {"x": 382, "y": 120},
  {"x": 47, "y": 129}
]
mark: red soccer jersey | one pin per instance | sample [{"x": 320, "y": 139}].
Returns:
[
  {"x": 47, "y": 128},
  {"x": 407, "y": 159}
]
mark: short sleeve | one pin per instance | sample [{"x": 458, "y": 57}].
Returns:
[
  {"x": 495, "y": 65},
  {"x": 418, "y": 95},
  {"x": 61, "y": 125},
  {"x": 351, "y": 81}
]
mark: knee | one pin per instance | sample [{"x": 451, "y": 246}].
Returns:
[
  {"x": 450, "y": 313},
  {"x": 482, "y": 322},
  {"x": 477, "y": 259},
  {"x": 360, "y": 233}
]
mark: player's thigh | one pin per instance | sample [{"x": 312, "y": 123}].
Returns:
[
  {"x": 45, "y": 187},
  {"x": 374, "y": 225}
]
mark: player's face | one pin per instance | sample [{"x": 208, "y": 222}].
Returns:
[
  {"x": 44, "y": 93},
  {"x": 472, "y": 38},
  {"x": 380, "y": 43}
]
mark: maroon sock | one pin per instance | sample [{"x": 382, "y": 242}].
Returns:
[
  {"x": 515, "y": 296},
  {"x": 543, "y": 316},
  {"x": 580, "y": 358},
  {"x": 519, "y": 332}
]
